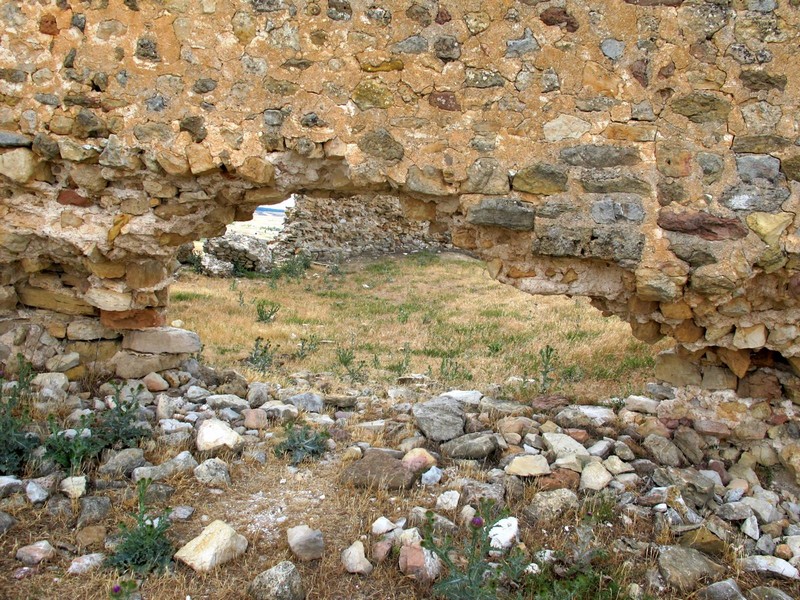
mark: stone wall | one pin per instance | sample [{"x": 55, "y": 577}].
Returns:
[
  {"x": 643, "y": 153},
  {"x": 333, "y": 229}
]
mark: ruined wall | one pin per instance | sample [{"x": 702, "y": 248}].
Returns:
[
  {"x": 334, "y": 229},
  {"x": 640, "y": 152}
]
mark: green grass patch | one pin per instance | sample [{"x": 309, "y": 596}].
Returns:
[{"x": 188, "y": 296}]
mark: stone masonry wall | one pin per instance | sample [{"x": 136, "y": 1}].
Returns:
[
  {"x": 643, "y": 153},
  {"x": 333, "y": 229}
]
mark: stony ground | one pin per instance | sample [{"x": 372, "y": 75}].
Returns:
[{"x": 678, "y": 513}]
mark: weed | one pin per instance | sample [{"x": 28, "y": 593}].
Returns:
[
  {"x": 572, "y": 373},
  {"x": 451, "y": 370},
  {"x": 261, "y": 356},
  {"x": 15, "y": 443},
  {"x": 401, "y": 367},
  {"x": 495, "y": 348},
  {"x": 266, "y": 310},
  {"x": 72, "y": 448},
  {"x": 346, "y": 357},
  {"x": 294, "y": 268},
  {"x": 308, "y": 345},
  {"x": 144, "y": 547},
  {"x": 547, "y": 359},
  {"x": 241, "y": 298},
  {"x": 234, "y": 284},
  {"x": 403, "y": 314},
  {"x": 600, "y": 508},
  {"x": 472, "y": 574},
  {"x": 120, "y": 427},
  {"x": 302, "y": 443},
  {"x": 425, "y": 258}
]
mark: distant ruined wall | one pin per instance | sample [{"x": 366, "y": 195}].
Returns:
[
  {"x": 639, "y": 152},
  {"x": 334, "y": 229}
]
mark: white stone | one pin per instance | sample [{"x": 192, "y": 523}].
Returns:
[
  {"x": 155, "y": 382},
  {"x": 528, "y": 465},
  {"x": 18, "y": 165},
  {"x": 563, "y": 445},
  {"x": 382, "y": 525},
  {"x": 355, "y": 561},
  {"x": 217, "y": 544},
  {"x": 768, "y": 565},
  {"x": 504, "y": 533},
  {"x": 750, "y": 527},
  {"x": 86, "y": 563},
  {"x": 162, "y": 340},
  {"x": 35, "y": 553},
  {"x": 35, "y": 492},
  {"x": 73, "y": 487},
  {"x": 595, "y": 477},
  {"x": 565, "y": 127},
  {"x": 642, "y": 404},
  {"x": 448, "y": 500},
  {"x": 616, "y": 466},
  {"x": 53, "y": 381},
  {"x": 213, "y": 434}
]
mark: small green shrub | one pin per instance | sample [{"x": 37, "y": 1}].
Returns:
[
  {"x": 261, "y": 356},
  {"x": 120, "y": 427},
  {"x": 16, "y": 444},
  {"x": 450, "y": 370},
  {"x": 356, "y": 370},
  {"x": 124, "y": 590},
  {"x": 72, "y": 451},
  {"x": 144, "y": 547},
  {"x": 308, "y": 345},
  {"x": 472, "y": 574},
  {"x": 302, "y": 443},
  {"x": 401, "y": 367},
  {"x": 547, "y": 360},
  {"x": 266, "y": 310},
  {"x": 188, "y": 296}
]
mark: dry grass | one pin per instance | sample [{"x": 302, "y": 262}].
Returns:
[{"x": 442, "y": 314}]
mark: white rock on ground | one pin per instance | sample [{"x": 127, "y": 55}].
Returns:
[
  {"x": 382, "y": 525},
  {"x": 595, "y": 477},
  {"x": 504, "y": 533},
  {"x": 213, "y": 472},
  {"x": 213, "y": 434},
  {"x": 355, "y": 561},
  {"x": 73, "y": 487},
  {"x": 528, "y": 465},
  {"x": 768, "y": 565},
  {"x": 306, "y": 543},
  {"x": 217, "y": 544},
  {"x": 448, "y": 500},
  {"x": 86, "y": 563}
]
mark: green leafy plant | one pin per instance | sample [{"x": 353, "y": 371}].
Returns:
[
  {"x": 495, "y": 348},
  {"x": 308, "y": 345},
  {"x": 71, "y": 449},
  {"x": 266, "y": 310},
  {"x": 119, "y": 426},
  {"x": 452, "y": 370},
  {"x": 293, "y": 268},
  {"x": 302, "y": 443},
  {"x": 401, "y": 367},
  {"x": 16, "y": 443},
  {"x": 472, "y": 573},
  {"x": 547, "y": 366},
  {"x": 241, "y": 297},
  {"x": 261, "y": 356},
  {"x": 346, "y": 357},
  {"x": 144, "y": 547}
]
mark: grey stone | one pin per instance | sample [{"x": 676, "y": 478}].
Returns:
[
  {"x": 447, "y": 48},
  {"x": 702, "y": 107},
  {"x": 562, "y": 445},
  {"x": 35, "y": 553},
  {"x": 147, "y": 49},
  {"x": 36, "y": 493},
  {"x": 690, "y": 443},
  {"x": 759, "y": 169},
  {"x": 583, "y": 417},
  {"x": 440, "y": 419},
  {"x": 281, "y": 582},
  {"x": 416, "y": 44},
  {"x": 483, "y": 78},
  {"x": 379, "y": 470},
  {"x": 306, "y": 543},
  {"x": 93, "y": 510},
  {"x": 763, "y": 6},
  {"x": 600, "y": 155},
  {"x": 612, "y": 48},
  {"x": 727, "y": 589},
  {"x": 181, "y": 463},
  {"x": 9, "y": 139},
  {"x": 472, "y": 445},
  {"x": 763, "y": 592},
  {"x": 734, "y": 511},
  {"x": 222, "y": 401},
  {"x": 595, "y": 477},
  {"x": 213, "y": 472},
  {"x": 486, "y": 176},
  {"x": 550, "y": 81},
  {"x": 9, "y": 485},
  {"x": 765, "y": 510},
  {"x": 381, "y": 144},
  {"x": 555, "y": 240},
  {"x": 664, "y": 451},
  {"x": 308, "y": 401},
  {"x": 613, "y": 181},
  {"x": 6, "y": 522},
  {"x": 508, "y": 213},
  {"x": 682, "y": 568},
  {"x": 522, "y": 46},
  {"x": 123, "y": 462},
  {"x": 541, "y": 178},
  {"x": 547, "y": 506}
]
